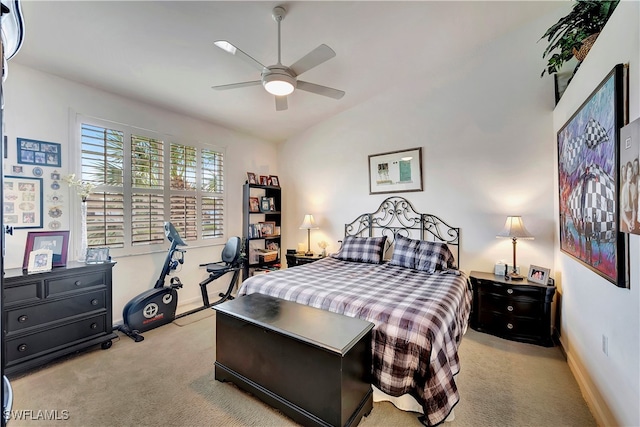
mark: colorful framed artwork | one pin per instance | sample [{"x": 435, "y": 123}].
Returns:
[
  {"x": 56, "y": 241},
  {"x": 396, "y": 171},
  {"x": 32, "y": 152},
  {"x": 588, "y": 160},
  {"x": 22, "y": 202}
]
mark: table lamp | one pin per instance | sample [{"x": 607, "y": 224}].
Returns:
[
  {"x": 308, "y": 223},
  {"x": 514, "y": 228}
]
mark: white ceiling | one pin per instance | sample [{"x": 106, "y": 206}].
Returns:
[{"x": 162, "y": 52}]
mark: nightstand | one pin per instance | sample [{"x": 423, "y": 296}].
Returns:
[
  {"x": 295, "y": 259},
  {"x": 515, "y": 310}
]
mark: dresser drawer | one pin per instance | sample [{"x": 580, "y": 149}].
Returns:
[
  {"x": 74, "y": 283},
  {"x": 25, "y": 292},
  {"x": 36, "y": 315},
  {"x": 49, "y": 340},
  {"x": 516, "y": 306}
]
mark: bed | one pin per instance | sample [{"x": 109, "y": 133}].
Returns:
[{"x": 398, "y": 269}]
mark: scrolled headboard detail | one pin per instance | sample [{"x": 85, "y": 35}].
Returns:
[{"x": 397, "y": 215}]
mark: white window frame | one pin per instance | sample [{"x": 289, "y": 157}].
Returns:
[{"x": 129, "y": 130}]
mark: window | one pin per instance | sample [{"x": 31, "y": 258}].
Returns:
[{"x": 143, "y": 180}]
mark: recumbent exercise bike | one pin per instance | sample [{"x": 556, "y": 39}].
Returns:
[{"x": 157, "y": 306}]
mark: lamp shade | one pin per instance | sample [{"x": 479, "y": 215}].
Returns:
[
  {"x": 308, "y": 223},
  {"x": 514, "y": 228}
]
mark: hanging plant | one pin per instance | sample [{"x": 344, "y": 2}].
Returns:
[{"x": 575, "y": 33}]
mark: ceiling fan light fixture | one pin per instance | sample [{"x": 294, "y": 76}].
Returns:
[{"x": 279, "y": 84}]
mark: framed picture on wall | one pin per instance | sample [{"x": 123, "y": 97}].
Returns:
[
  {"x": 396, "y": 171},
  {"x": 588, "y": 160},
  {"x": 33, "y": 152},
  {"x": 22, "y": 202}
]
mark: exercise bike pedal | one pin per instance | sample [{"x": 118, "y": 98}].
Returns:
[{"x": 176, "y": 283}]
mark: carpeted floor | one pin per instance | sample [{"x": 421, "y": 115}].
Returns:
[{"x": 167, "y": 380}]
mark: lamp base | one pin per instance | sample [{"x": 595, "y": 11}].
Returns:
[
  {"x": 308, "y": 254},
  {"x": 515, "y": 276}
]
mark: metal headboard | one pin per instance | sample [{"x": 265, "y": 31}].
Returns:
[{"x": 397, "y": 215}]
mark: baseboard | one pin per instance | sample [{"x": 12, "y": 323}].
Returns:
[{"x": 598, "y": 406}]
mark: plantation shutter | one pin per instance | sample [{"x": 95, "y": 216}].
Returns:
[
  {"x": 212, "y": 187},
  {"x": 147, "y": 185},
  {"x": 102, "y": 154}
]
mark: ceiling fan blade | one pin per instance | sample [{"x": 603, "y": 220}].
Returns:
[
  {"x": 320, "y": 90},
  {"x": 281, "y": 103},
  {"x": 237, "y": 85},
  {"x": 312, "y": 59},
  {"x": 229, "y": 48}
]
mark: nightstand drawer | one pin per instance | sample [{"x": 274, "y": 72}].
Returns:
[
  {"x": 527, "y": 307},
  {"x": 503, "y": 325},
  {"x": 36, "y": 315},
  {"x": 509, "y": 290}
]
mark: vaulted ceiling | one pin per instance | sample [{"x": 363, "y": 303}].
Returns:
[{"x": 162, "y": 52}]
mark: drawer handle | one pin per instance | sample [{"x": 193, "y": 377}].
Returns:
[
  {"x": 22, "y": 347},
  {"x": 509, "y": 308},
  {"x": 509, "y": 325},
  {"x": 23, "y": 318},
  {"x": 94, "y": 326},
  {"x": 78, "y": 282},
  {"x": 509, "y": 291},
  {"x": 94, "y": 302}
]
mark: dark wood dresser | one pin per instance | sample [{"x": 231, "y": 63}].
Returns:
[
  {"x": 311, "y": 364},
  {"x": 51, "y": 314},
  {"x": 515, "y": 310}
]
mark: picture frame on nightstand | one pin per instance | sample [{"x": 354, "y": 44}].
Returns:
[{"x": 539, "y": 275}]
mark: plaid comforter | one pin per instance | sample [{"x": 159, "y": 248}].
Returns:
[{"x": 419, "y": 320}]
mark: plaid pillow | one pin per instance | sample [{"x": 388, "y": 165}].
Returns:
[
  {"x": 421, "y": 255},
  {"x": 362, "y": 249}
]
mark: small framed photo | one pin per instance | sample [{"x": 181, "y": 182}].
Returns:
[
  {"x": 267, "y": 228},
  {"x": 251, "y": 178},
  {"x": 56, "y": 241},
  {"x": 254, "y": 204},
  {"x": 40, "y": 260},
  {"x": 273, "y": 180},
  {"x": 97, "y": 255},
  {"x": 265, "y": 204},
  {"x": 264, "y": 180},
  {"x": 538, "y": 274}
]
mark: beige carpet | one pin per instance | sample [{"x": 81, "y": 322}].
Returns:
[{"x": 167, "y": 380}]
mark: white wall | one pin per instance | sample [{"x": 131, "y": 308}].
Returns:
[
  {"x": 592, "y": 306},
  {"x": 486, "y": 131},
  {"x": 38, "y": 106}
]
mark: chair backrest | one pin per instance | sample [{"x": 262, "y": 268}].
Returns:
[{"x": 231, "y": 250}]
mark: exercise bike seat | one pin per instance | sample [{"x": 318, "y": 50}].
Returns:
[{"x": 230, "y": 263}]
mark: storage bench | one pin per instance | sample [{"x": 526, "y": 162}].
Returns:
[{"x": 311, "y": 364}]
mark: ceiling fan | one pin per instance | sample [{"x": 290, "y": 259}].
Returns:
[{"x": 278, "y": 79}]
